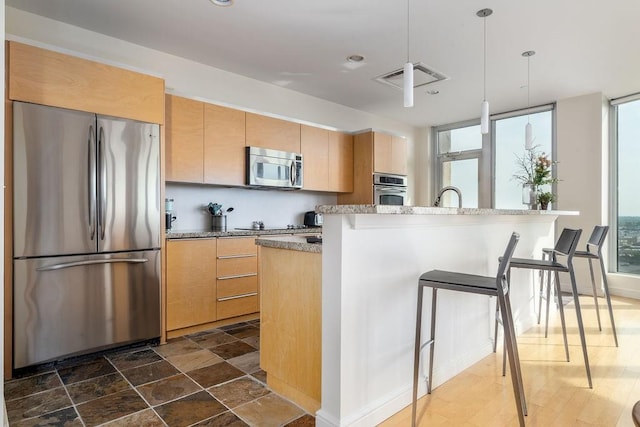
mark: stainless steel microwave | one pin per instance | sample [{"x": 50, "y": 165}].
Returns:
[{"x": 273, "y": 168}]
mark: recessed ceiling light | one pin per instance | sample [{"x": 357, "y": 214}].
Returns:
[
  {"x": 222, "y": 3},
  {"x": 355, "y": 58}
]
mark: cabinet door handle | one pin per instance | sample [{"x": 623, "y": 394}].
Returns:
[
  {"x": 237, "y": 276},
  {"x": 237, "y": 256},
  {"x": 237, "y": 296}
]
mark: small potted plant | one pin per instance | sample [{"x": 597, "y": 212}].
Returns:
[{"x": 545, "y": 198}]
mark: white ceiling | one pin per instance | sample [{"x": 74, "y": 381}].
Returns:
[{"x": 582, "y": 46}]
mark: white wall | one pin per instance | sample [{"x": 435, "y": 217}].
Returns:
[
  {"x": 580, "y": 127},
  {"x": 583, "y": 170}
]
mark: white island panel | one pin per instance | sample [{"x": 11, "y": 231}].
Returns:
[{"x": 370, "y": 268}]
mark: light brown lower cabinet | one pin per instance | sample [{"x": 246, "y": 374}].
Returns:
[
  {"x": 191, "y": 282},
  {"x": 210, "y": 283},
  {"x": 237, "y": 277},
  {"x": 291, "y": 324}
]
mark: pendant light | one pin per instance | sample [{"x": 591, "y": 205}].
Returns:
[
  {"x": 408, "y": 72},
  {"x": 528, "y": 131},
  {"x": 484, "y": 110}
]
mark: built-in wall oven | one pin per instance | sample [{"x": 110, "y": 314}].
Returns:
[{"x": 389, "y": 189}]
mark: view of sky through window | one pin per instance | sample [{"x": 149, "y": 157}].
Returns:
[
  {"x": 509, "y": 145},
  {"x": 628, "y": 206}
]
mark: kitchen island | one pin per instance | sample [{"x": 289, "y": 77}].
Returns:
[
  {"x": 290, "y": 317},
  {"x": 371, "y": 259}
]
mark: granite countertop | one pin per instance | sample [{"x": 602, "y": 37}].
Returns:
[
  {"x": 240, "y": 233},
  {"x": 428, "y": 210},
  {"x": 294, "y": 243}
]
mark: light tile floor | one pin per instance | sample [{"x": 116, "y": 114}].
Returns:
[{"x": 211, "y": 378}]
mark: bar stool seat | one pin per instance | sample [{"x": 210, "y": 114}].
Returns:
[
  {"x": 470, "y": 283},
  {"x": 635, "y": 414}
]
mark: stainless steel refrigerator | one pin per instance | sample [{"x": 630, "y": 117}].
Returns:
[{"x": 86, "y": 233}]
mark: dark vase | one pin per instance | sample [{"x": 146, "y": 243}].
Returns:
[{"x": 544, "y": 205}]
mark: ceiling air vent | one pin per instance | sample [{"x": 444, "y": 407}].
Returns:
[{"x": 421, "y": 76}]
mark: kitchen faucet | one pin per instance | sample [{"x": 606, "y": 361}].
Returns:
[{"x": 444, "y": 190}]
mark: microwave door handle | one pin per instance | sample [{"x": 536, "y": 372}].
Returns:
[{"x": 292, "y": 174}]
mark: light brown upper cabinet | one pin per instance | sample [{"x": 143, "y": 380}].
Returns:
[
  {"x": 204, "y": 142},
  {"x": 267, "y": 132},
  {"x": 340, "y": 162},
  {"x": 314, "y": 146},
  {"x": 184, "y": 145},
  {"x": 374, "y": 152},
  {"x": 51, "y": 78},
  {"x": 328, "y": 159},
  {"x": 224, "y": 145},
  {"x": 390, "y": 154}
]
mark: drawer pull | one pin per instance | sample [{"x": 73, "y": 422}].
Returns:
[
  {"x": 237, "y": 296},
  {"x": 237, "y": 276},
  {"x": 237, "y": 256}
]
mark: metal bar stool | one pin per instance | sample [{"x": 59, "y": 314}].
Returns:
[
  {"x": 565, "y": 247},
  {"x": 492, "y": 286},
  {"x": 594, "y": 251}
]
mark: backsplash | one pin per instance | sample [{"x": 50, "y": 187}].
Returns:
[{"x": 276, "y": 208}]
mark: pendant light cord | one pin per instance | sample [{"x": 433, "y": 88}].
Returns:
[
  {"x": 528, "y": 87},
  {"x": 408, "y": 32},
  {"x": 484, "y": 60}
]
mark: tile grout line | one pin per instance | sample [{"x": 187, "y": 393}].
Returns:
[
  {"x": 136, "y": 390},
  {"x": 165, "y": 358}
]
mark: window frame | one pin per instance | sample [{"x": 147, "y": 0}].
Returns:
[
  {"x": 612, "y": 252},
  {"x": 486, "y": 155},
  {"x": 518, "y": 113},
  {"x": 483, "y": 155}
]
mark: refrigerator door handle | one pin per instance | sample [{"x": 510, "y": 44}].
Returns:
[
  {"x": 103, "y": 184},
  {"x": 92, "y": 182},
  {"x": 91, "y": 262}
]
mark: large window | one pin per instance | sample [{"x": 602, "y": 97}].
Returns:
[
  {"x": 459, "y": 156},
  {"x": 627, "y": 206},
  {"x": 509, "y": 146},
  {"x": 483, "y": 167}
]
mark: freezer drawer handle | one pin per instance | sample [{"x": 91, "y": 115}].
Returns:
[{"x": 91, "y": 262}]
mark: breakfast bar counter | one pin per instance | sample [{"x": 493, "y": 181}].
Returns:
[
  {"x": 290, "y": 273},
  {"x": 372, "y": 258}
]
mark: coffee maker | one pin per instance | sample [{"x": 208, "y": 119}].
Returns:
[{"x": 169, "y": 217}]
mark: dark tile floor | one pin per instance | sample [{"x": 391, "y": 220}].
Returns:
[{"x": 211, "y": 379}]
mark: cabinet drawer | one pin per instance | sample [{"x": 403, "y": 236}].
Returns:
[
  {"x": 237, "y": 306},
  {"x": 237, "y": 246},
  {"x": 237, "y": 266},
  {"x": 237, "y": 286}
]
